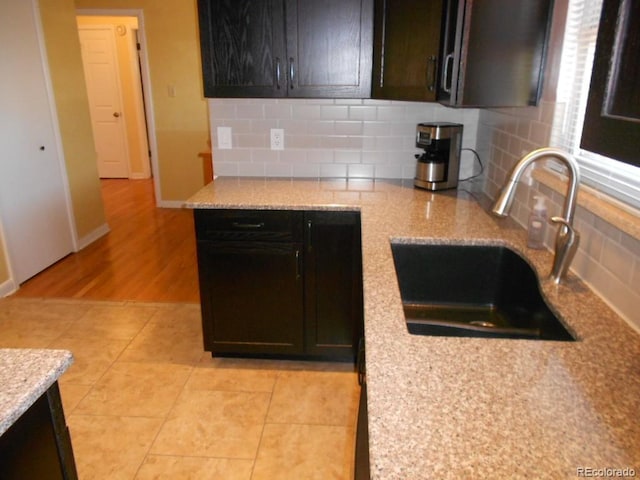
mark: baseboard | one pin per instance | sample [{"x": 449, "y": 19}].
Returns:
[
  {"x": 87, "y": 240},
  {"x": 139, "y": 176},
  {"x": 171, "y": 204},
  {"x": 7, "y": 288}
]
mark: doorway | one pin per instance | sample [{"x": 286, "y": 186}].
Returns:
[{"x": 134, "y": 115}]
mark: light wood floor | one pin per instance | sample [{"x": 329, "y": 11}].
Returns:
[{"x": 149, "y": 254}]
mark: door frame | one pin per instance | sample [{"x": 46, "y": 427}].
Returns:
[{"x": 145, "y": 77}]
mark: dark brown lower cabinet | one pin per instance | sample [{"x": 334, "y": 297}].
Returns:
[
  {"x": 38, "y": 444},
  {"x": 333, "y": 284},
  {"x": 280, "y": 283}
]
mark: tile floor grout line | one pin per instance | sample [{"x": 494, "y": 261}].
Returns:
[
  {"x": 264, "y": 424},
  {"x": 164, "y": 420}
]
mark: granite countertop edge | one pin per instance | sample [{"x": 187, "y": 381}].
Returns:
[{"x": 25, "y": 374}]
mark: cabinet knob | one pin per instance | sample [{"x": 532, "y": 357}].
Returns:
[
  {"x": 116, "y": 114},
  {"x": 42, "y": 148}
]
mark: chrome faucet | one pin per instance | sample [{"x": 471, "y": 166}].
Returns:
[{"x": 567, "y": 238}]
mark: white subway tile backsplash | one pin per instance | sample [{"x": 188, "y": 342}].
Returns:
[
  {"x": 389, "y": 171},
  {"x": 304, "y": 111},
  {"x": 278, "y": 170},
  {"x": 374, "y": 129},
  {"x": 264, "y": 155},
  {"x": 615, "y": 258},
  {"x": 306, "y": 170},
  {"x": 251, "y": 169},
  {"x": 226, "y": 169},
  {"x": 250, "y": 111},
  {"x": 277, "y": 111},
  {"x": 319, "y": 157},
  {"x": 333, "y": 170},
  {"x": 348, "y": 128},
  {"x": 360, "y": 171},
  {"x": 335, "y": 112},
  {"x": 344, "y": 156},
  {"x": 362, "y": 113}
]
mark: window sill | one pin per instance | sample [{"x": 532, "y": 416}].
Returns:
[{"x": 621, "y": 216}]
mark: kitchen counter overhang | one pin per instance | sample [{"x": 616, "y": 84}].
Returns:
[{"x": 444, "y": 407}]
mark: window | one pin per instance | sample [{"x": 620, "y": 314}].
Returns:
[{"x": 604, "y": 173}]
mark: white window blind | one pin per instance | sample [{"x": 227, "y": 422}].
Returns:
[{"x": 616, "y": 179}]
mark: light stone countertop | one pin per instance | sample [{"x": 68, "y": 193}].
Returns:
[
  {"x": 25, "y": 374},
  {"x": 444, "y": 407}
]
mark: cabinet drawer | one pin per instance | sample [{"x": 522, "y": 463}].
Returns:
[{"x": 248, "y": 225}]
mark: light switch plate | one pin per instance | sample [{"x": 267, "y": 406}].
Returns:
[
  {"x": 277, "y": 139},
  {"x": 224, "y": 138}
]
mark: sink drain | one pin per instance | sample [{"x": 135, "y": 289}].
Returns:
[{"x": 481, "y": 323}]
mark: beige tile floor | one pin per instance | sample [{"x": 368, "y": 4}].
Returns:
[{"x": 144, "y": 401}]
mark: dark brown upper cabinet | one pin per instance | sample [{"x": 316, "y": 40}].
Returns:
[
  {"x": 286, "y": 48},
  {"x": 493, "y": 52},
  {"x": 612, "y": 118},
  {"x": 406, "y": 49}
]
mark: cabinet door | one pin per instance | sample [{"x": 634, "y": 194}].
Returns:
[
  {"x": 406, "y": 48},
  {"x": 333, "y": 284},
  {"x": 252, "y": 297},
  {"x": 243, "y": 49},
  {"x": 329, "y": 48}
]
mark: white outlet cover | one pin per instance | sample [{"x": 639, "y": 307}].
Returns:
[
  {"x": 224, "y": 138},
  {"x": 277, "y": 139}
]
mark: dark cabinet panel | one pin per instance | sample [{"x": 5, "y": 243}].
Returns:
[
  {"x": 296, "y": 48},
  {"x": 333, "y": 276},
  {"x": 493, "y": 52},
  {"x": 268, "y": 288},
  {"x": 329, "y": 47},
  {"x": 406, "y": 49},
  {"x": 254, "y": 291},
  {"x": 38, "y": 444},
  {"x": 243, "y": 48}
]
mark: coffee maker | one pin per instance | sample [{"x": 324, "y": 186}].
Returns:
[{"x": 439, "y": 166}]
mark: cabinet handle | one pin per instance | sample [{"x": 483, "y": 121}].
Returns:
[
  {"x": 248, "y": 226},
  {"x": 297, "y": 264},
  {"x": 277, "y": 73},
  {"x": 310, "y": 234},
  {"x": 445, "y": 73},
  {"x": 432, "y": 63},
  {"x": 291, "y": 73}
]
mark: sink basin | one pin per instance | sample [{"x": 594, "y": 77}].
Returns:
[{"x": 472, "y": 291}]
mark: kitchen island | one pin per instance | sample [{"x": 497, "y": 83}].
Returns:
[
  {"x": 445, "y": 407},
  {"x": 34, "y": 438}
]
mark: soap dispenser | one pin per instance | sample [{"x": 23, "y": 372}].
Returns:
[{"x": 537, "y": 224}]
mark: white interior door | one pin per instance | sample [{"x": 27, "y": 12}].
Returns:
[
  {"x": 33, "y": 201},
  {"x": 105, "y": 100}
]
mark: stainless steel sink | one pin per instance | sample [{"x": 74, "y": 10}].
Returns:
[{"x": 472, "y": 291}]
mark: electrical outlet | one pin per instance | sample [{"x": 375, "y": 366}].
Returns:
[
  {"x": 224, "y": 138},
  {"x": 277, "y": 139}
]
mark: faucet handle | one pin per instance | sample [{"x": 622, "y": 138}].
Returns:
[
  {"x": 564, "y": 222},
  {"x": 561, "y": 220},
  {"x": 567, "y": 241}
]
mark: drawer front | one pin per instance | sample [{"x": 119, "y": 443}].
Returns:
[{"x": 248, "y": 225}]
